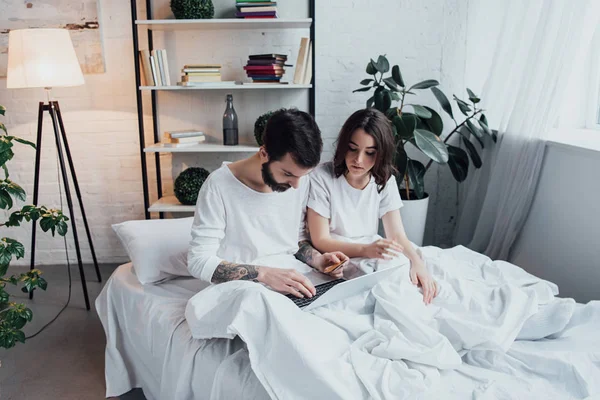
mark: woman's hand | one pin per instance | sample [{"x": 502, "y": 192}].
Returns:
[
  {"x": 383, "y": 249},
  {"x": 327, "y": 259},
  {"x": 420, "y": 275}
]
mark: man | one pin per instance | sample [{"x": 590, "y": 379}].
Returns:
[{"x": 255, "y": 207}]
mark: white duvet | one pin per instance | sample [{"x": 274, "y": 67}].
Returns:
[{"x": 493, "y": 332}]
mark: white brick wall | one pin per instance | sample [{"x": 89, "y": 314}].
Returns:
[{"x": 426, "y": 38}]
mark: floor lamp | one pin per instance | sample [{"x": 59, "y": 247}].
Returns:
[{"x": 46, "y": 58}]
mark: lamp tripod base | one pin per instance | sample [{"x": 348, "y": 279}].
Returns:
[{"x": 61, "y": 139}]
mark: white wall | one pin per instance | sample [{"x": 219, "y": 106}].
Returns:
[
  {"x": 427, "y": 40},
  {"x": 560, "y": 239}
]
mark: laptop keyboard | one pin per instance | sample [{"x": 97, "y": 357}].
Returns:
[{"x": 321, "y": 289}]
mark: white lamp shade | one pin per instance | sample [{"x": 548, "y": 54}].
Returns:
[{"x": 42, "y": 58}]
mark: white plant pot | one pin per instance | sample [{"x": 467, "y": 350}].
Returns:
[{"x": 414, "y": 216}]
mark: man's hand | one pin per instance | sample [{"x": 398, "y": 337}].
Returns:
[
  {"x": 384, "y": 249},
  {"x": 286, "y": 281},
  {"x": 420, "y": 275},
  {"x": 326, "y": 259}
]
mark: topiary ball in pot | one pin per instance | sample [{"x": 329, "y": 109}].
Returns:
[
  {"x": 188, "y": 184},
  {"x": 193, "y": 9},
  {"x": 259, "y": 127}
]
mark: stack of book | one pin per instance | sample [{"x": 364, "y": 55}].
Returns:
[
  {"x": 198, "y": 74},
  {"x": 266, "y": 68},
  {"x": 256, "y": 9},
  {"x": 155, "y": 68},
  {"x": 183, "y": 138}
]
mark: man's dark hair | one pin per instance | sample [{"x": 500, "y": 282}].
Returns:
[
  {"x": 295, "y": 132},
  {"x": 376, "y": 124}
]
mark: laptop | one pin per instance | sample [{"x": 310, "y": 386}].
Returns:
[{"x": 330, "y": 290}]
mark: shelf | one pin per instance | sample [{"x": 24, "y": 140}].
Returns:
[
  {"x": 245, "y": 86},
  {"x": 170, "y": 204},
  {"x": 201, "y": 148},
  {"x": 233, "y": 23}
]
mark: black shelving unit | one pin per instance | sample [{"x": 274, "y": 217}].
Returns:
[{"x": 140, "y": 107}]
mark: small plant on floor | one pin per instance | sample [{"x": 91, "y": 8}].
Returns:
[
  {"x": 14, "y": 316},
  {"x": 423, "y": 127}
]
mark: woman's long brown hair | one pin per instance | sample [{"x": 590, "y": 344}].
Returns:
[{"x": 376, "y": 124}]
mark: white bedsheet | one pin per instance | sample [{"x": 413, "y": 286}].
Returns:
[
  {"x": 494, "y": 332},
  {"x": 149, "y": 344}
]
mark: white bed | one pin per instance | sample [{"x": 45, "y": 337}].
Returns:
[{"x": 149, "y": 344}]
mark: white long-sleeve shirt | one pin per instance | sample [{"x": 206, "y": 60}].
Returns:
[{"x": 238, "y": 224}]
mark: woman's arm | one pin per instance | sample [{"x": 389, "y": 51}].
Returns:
[
  {"x": 318, "y": 227},
  {"x": 394, "y": 230}
]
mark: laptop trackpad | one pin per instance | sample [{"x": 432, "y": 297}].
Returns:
[{"x": 318, "y": 278}]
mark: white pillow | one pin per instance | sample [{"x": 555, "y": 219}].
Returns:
[{"x": 157, "y": 248}]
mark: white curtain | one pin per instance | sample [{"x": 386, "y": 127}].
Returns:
[{"x": 528, "y": 59}]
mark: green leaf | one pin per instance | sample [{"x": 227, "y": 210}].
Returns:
[
  {"x": 5, "y": 171},
  {"x": 2, "y": 110},
  {"x": 389, "y": 82},
  {"x": 424, "y": 84},
  {"x": 484, "y": 125},
  {"x": 5, "y": 200},
  {"x": 383, "y": 100},
  {"x": 366, "y": 81},
  {"x": 421, "y": 111},
  {"x": 400, "y": 159},
  {"x": 433, "y": 124},
  {"x": 371, "y": 70},
  {"x": 395, "y": 96},
  {"x": 416, "y": 173},
  {"x": 468, "y": 136},
  {"x": 475, "y": 129},
  {"x": 6, "y": 156},
  {"x": 443, "y": 100},
  {"x": 16, "y": 190},
  {"x": 62, "y": 228},
  {"x": 472, "y": 96},
  {"x": 472, "y": 152},
  {"x": 362, "y": 89},
  {"x": 17, "y": 249},
  {"x": 458, "y": 161},
  {"x": 397, "y": 76},
  {"x": 20, "y": 336},
  {"x": 382, "y": 64},
  {"x": 23, "y": 141},
  {"x": 370, "y": 102},
  {"x": 46, "y": 223},
  {"x": 405, "y": 125},
  {"x": 42, "y": 283},
  {"x": 4, "y": 268},
  {"x": 464, "y": 107},
  {"x": 431, "y": 145}
]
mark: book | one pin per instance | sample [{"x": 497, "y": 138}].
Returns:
[
  {"x": 181, "y": 144},
  {"x": 308, "y": 69},
  {"x": 239, "y": 14},
  {"x": 256, "y": 4},
  {"x": 301, "y": 61},
  {"x": 263, "y": 68},
  {"x": 163, "y": 53},
  {"x": 270, "y": 55},
  {"x": 201, "y": 71},
  {"x": 188, "y": 78},
  {"x": 154, "y": 73},
  {"x": 159, "y": 81},
  {"x": 202, "y": 66},
  {"x": 161, "y": 66},
  {"x": 210, "y": 84},
  {"x": 146, "y": 68},
  {"x": 188, "y": 139},
  {"x": 183, "y": 133},
  {"x": 257, "y": 9}
]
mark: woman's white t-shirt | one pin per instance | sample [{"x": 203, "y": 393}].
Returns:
[{"x": 353, "y": 214}]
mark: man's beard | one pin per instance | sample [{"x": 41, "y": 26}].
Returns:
[{"x": 270, "y": 180}]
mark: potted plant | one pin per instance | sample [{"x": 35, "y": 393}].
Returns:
[
  {"x": 14, "y": 316},
  {"x": 422, "y": 127}
]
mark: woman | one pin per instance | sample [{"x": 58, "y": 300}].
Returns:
[{"x": 349, "y": 195}]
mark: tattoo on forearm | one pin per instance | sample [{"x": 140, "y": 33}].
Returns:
[
  {"x": 306, "y": 252},
  {"x": 227, "y": 271}
]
